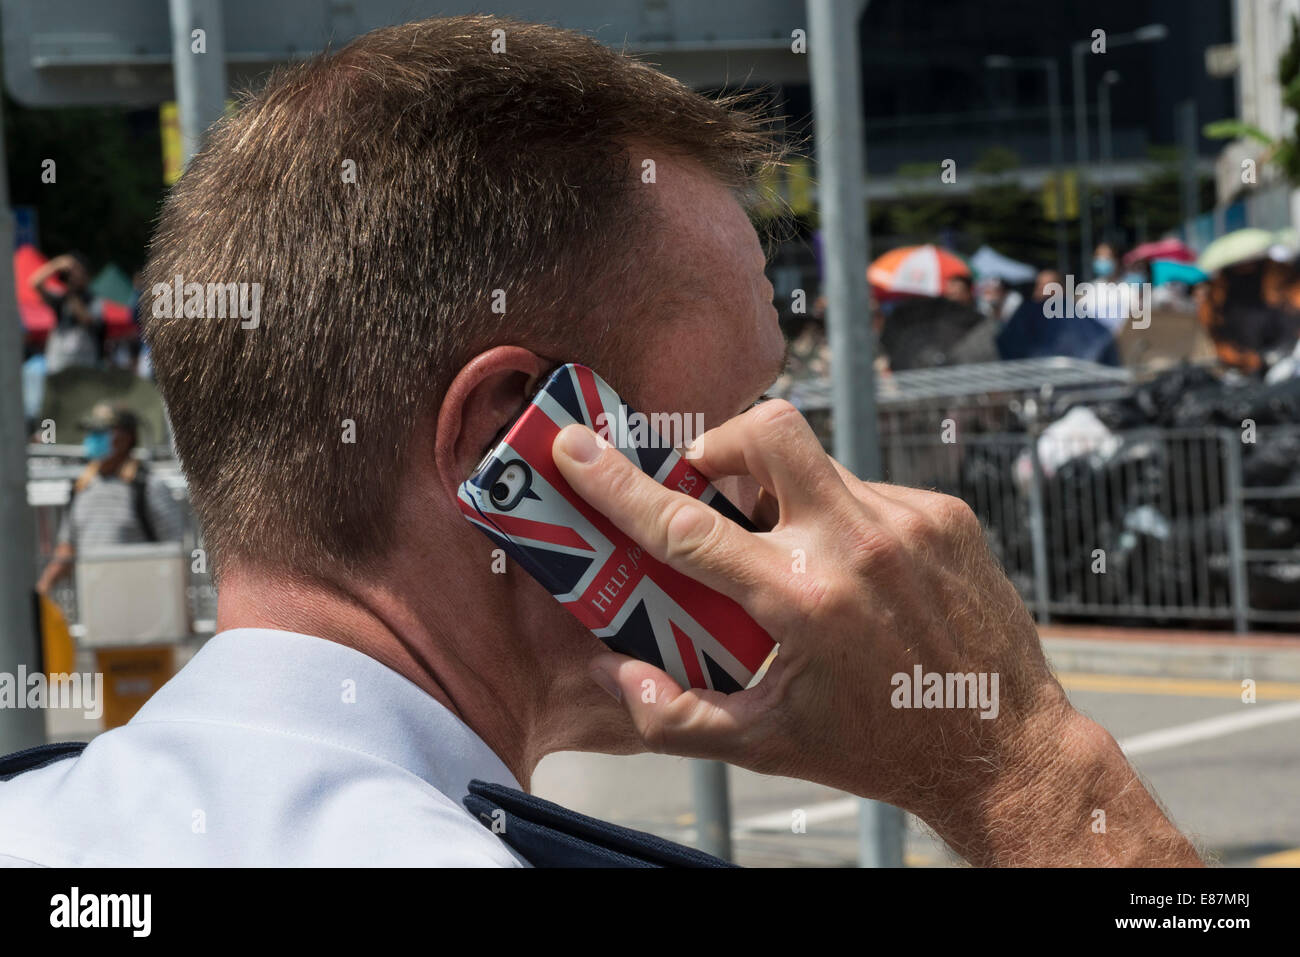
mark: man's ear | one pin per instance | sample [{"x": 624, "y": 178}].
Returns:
[{"x": 488, "y": 392}]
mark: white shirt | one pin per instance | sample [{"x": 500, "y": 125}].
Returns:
[{"x": 267, "y": 748}]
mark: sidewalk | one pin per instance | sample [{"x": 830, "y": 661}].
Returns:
[{"x": 1168, "y": 653}]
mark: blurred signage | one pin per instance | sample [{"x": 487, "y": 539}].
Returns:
[
  {"x": 1222, "y": 60},
  {"x": 786, "y": 190},
  {"x": 1050, "y": 211},
  {"x": 169, "y": 127},
  {"x": 26, "y": 232},
  {"x": 799, "y": 186},
  {"x": 88, "y": 52}
]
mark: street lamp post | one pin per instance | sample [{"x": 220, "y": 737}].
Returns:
[
  {"x": 1151, "y": 33},
  {"x": 1052, "y": 68},
  {"x": 1104, "y": 150}
]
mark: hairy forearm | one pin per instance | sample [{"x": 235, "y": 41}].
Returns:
[{"x": 1073, "y": 800}]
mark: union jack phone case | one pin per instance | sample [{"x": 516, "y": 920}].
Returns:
[{"x": 636, "y": 605}]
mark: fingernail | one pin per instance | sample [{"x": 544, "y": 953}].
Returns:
[
  {"x": 579, "y": 443},
  {"x": 606, "y": 681}
]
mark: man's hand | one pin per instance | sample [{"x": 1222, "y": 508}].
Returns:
[{"x": 890, "y": 578}]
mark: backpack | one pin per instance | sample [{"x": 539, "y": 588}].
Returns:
[{"x": 136, "y": 474}]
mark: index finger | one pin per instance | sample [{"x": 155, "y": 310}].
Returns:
[
  {"x": 775, "y": 445},
  {"x": 676, "y": 529}
]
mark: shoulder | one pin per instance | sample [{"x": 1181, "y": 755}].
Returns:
[{"x": 195, "y": 793}]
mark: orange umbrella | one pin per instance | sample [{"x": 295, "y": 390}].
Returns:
[{"x": 915, "y": 270}]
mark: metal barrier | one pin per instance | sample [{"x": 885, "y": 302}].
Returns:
[
  {"x": 1152, "y": 524},
  {"x": 51, "y": 472}
]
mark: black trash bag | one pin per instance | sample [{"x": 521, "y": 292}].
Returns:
[
  {"x": 986, "y": 482},
  {"x": 922, "y": 332},
  {"x": 1229, "y": 406},
  {"x": 1265, "y": 529},
  {"x": 1152, "y": 403},
  {"x": 1274, "y": 586},
  {"x": 1158, "y": 562},
  {"x": 1271, "y": 462}
]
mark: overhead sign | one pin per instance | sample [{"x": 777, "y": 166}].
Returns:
[{"x": 88, "y": 52}]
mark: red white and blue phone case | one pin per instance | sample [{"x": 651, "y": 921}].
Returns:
[{"x": 636, "y": 605}]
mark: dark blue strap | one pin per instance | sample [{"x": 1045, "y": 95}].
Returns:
[
  {"x": 12, "y": 765},
  {"x": 548, "y": 835}
]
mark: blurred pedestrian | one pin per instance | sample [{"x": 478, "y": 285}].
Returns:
[
  {"x": 115, "y": 501},
  {"x": 1049, "y": 325},
  {"x": 77, "y": 336},
  {"x": 997, "y": 300},
  {"x": 1105, "y": 265}
]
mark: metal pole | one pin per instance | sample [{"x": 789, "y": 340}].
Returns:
[
  {"x": 1238, "y": 586},
  {"x": 1038, "y": 518},
  {"x": 712, "y": 808},
  {"x": 1187, "y": 136},
  {"x": 1058, "y": 163},
  {"x": 839, "y": 139},
  {"x": 1104, "y": 153},
  {"x": 1081, "y": 160},
  {"x": 199, "y": 68},
  {"x": 19, "y": 727},
  {"x": 837, "y": 120}
]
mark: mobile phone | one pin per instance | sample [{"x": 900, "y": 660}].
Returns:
[{"x": 636, "y": 605}]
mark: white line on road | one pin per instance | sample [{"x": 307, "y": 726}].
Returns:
[
  {"x": 817, "y": 814},
  {"x": 1146, "y": 743},
  {"x": 1209, "y": 728}
]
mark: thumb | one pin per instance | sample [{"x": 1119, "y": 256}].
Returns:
[{"x": 692, "y": 723}]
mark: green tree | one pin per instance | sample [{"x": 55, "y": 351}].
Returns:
[
  {"x": 107, "y": 178},
  {"x": 1283, "y": 152}
]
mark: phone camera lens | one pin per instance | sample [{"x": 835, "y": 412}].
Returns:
[{"x": 511, "y": 486}]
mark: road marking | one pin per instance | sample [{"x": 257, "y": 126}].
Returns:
[
  {"x": 816, "y": 814},
  {"x": 1209, "y": 728},
  {"x": 1147, "y": 743},
  {"x": 1289, "y": 858},
  {"x": 1189, "y": 687}
]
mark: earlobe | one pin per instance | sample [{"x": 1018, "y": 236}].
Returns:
[{"x": 485, "y": 395}]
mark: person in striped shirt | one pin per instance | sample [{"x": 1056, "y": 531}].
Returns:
[{"x": 115, "y": 501}]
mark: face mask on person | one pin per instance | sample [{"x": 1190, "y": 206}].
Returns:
[
  {"x": 1103, "y": 267},
  {"x": 97, "y": 445}
]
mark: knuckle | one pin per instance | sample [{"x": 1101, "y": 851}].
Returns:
[
  {"x": 955, "y": 519},
  {"x": 916, "y": 525},
  {"x": 690, "y": 530},
  {"x": 873, "y": 549},
  {"x": 654, "y": 733},
  {"x": 838, "y": 597},
  {"x": 779, "y": 415},
  {"x": 809, "y": 598},
  {"x": 619, "y": 478}
]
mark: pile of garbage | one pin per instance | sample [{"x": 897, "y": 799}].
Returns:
[{"x": 1138, "y": 498}]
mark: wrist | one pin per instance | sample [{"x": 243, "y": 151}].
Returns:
[{"x": 1071, "y": 799}]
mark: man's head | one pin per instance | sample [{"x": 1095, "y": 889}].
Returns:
[
  {"x": 77, "y": 275},
  {"x": 112, "y": 431},
  {"x": 1045, "y": 278},
  {"x": 436, "y": 214},
  {"x": 1103, "y": 260},
  {"x": 958, "y": 289}
]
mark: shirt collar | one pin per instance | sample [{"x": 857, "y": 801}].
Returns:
[{"x": 285, "y": 682}]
